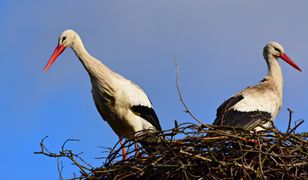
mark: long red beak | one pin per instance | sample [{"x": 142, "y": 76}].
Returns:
[
  {"x": 59, "y": 49},
  {"x": 289, "y": 61}
]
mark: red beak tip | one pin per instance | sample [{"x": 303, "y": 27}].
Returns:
[{"x": 59, "y": 49}]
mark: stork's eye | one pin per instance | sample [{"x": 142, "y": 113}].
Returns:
[
  {"x": 63, "y": 39},
  {"x": 276, "y": 49}
]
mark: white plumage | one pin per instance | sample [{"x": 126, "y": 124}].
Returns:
[{"x": 123, "y": 104}]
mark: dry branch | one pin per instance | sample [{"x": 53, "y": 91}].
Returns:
[{"x": 187, "y": 110}]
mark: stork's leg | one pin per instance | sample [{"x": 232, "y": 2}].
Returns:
[{"x": 124, "y": 153}]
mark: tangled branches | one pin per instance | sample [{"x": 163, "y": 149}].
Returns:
[
  {"x": 231, "y": 153},
  {"x": 187, "y": 152},
  {"x": 76, "y": 160}
]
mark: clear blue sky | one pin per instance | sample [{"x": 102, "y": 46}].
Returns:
[{"x": 218, "y": 45}]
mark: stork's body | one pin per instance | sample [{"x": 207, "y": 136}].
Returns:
[
  {"x": 120, "y": 102},
  {"x": 123, "y": 105},
  {"x": 257, "y": 106}
]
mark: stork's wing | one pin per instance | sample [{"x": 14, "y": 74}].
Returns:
[
  {"x": 99, "y": 110},
  {"x": 141, "y": 104},
  {"x": 228, "y": 116},
  {"x": 148, "y": 114}
]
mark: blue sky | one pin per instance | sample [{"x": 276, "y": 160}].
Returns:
[{"x": 218, "y": 46}]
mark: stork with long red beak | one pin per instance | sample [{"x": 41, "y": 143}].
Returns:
[
  {"x": 120, "y": 102},
  {"x": 256, "y": 107}
]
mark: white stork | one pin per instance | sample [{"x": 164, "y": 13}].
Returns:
[
  {"x": 120, "y": 102},
  {"x": 257, "y": 106}
]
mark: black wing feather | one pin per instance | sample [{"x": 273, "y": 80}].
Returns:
[
  {"x": 224, "y": 108},
  {"x": 148, "y": 114}
]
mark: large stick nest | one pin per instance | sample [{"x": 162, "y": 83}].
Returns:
[{"x": 185, "y": 152}]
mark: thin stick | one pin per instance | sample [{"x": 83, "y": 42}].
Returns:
[
  {"x": 296, "y": 126},
  {"x": 290, "y": 119},
  {"x": 182, "y": 100},
  {"x": 60, "y": 168}
]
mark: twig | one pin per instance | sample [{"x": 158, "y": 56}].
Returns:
[
  {"x": 65, "y": 153},
  {"x": 301, "y": 121},
  {"x": 290, "y": 120},
  {"x": 60, "y": 168},
  {"x": 65, "y": 142},
  {"x": 182, "y": 100},
  {"x": 195, "y": 156}
]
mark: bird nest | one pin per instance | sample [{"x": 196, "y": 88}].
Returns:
[{"x": 186, "y": 152}]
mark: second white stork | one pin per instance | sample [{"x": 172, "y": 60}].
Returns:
[
  {"x": 120, "y": 102},
  {"x": 257, "y": 106}
]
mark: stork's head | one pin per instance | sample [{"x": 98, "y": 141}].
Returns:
[
  {"x": 67, "y": 39},
  {"x": 274, "y": 49}
]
